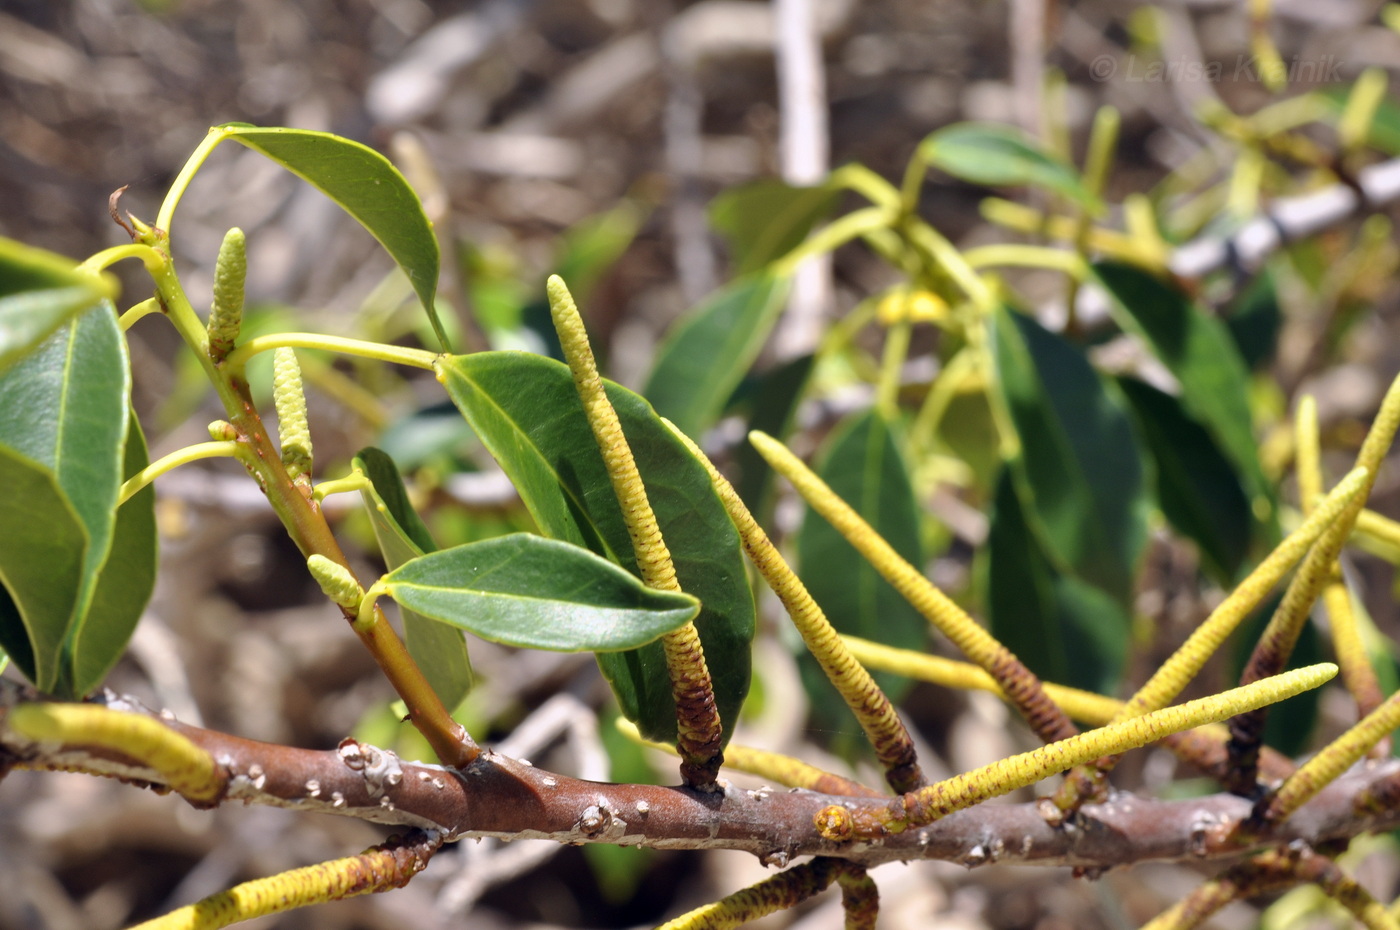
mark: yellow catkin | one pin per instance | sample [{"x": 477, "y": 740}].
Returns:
[
  {"x": 871, "y": 707},
  {"x": 1048, "y": 720},
  {"x": 1339, "y": 755},
  {"x": 293, "y": 427},
  {"x": 182, "y": 765},
  {"x": 379, "y": 868},
  {"x": 762, "y": 763},
  {"x": 1357, "y": 673},
  {"x": 1084, "y": 706},
  {"x": 782, "y": 891},
  {"x": 961, "y": 791},
  {"x": 336, "y": 581},
  {"x": 226, "y": 313},
  {"x": 1166, "y": 683},
  {"x": 1279, "y": 637},
  {"x": 698, "y": 721}
]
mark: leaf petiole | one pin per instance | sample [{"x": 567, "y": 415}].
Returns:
[
  {"x": 416, "y": 358},
  {"x": 200, "y": 450}
]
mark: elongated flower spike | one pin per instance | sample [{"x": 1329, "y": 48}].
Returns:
[
  {"x": 380, "y": 868},
  {"x": 1021, "y": 685},
  {"x": 872, "y": 708},
  {"x": 1276, "y": 643},
  {"x": 917, "y": 808},
  {"x": 782, "y": 891},
  {"x": 187, "y": 769},
  {"x": 226, "y": 313},
  {"x": 1179, "y": 668},
  {"x": 1338, "y": 756},
  {"x": 1274, "y": 871},
  {"x": 698, "y": 724},
  {"x": 1357, "y": 673},
  {"x": 293, "y": 426}
]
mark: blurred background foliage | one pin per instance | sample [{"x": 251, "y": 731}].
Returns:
[{"x": 1085, "y": 472}]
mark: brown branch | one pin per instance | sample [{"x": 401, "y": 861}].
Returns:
[{"x": 502, "y": 797}]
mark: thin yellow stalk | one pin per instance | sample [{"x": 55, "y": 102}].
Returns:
[
  {"x": 183, "y": 766},
  {"x": 379, "y": 868},
  {"x": 697, "y": 719},
  {"x": 936, "y": 801},
  {"x": 1044, "y": 716},
  {"x": 871, "y": 707}
]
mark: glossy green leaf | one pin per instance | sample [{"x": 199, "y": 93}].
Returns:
[
  {"x": 765, "y": 220},
  {"x": 1063, "y": 629},
  {"x": 525, "y": 410},
  {"x": 1079, "y": 471},
  {"x": 707, "y": 354},
  {"x": 862, "y": 464},
  {"x": 540, "y": 593},
  {"x": 367, "y": 186},
  {"x": 64, "y": 407},
  {"x": 39, "y": 292},
  {"x": 125, "y": 582},
  {"x": 439, "y": 649},
  {"x": 1197, "y": 487},
  {"x": 1000, "y": 156},
  {"x": 1199, "y": 352},
  {"x": 42, "y": 547}
]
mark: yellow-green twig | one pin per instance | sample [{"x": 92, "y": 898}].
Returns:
[
  {"x": 183, "y": 766},
  {"x": 1045, "y": 717},
  {"x": 697, "y": 718},
  {"x": 872, "y": 709},
  {"x": 936, "y": 801}
]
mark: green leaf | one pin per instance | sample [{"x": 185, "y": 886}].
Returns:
[
  {"x": 1000, "y": 156},
  {"x": 64, "y": 408},
  {"x": 765, "y": 220},
  {"x": 1254, "y": 320},
  {"x": 863, "y": 466},
  {"x": 368, "y": 187},
  {"x": 1063, "y": 629},
  {"x": 706, "y": 355},
  {"x": 39, "y": 292},
  {"x": 1199, "y": 352},
  {"x": 526, "y": 411},
  {"x": 42, "y": 547},
  {"x": 439, "y": 650},
  {"x": 125, "y": 583},
  {"x": 527, "y": 590},
  {"x": 1197, "y": 487},
  {"x": 1078, "y": 471}
]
